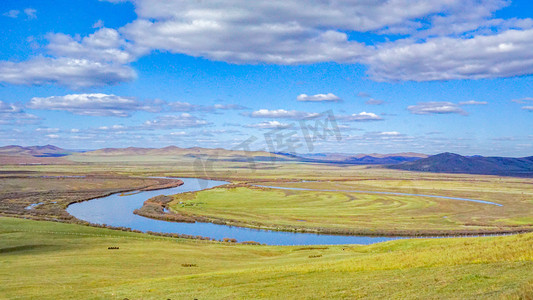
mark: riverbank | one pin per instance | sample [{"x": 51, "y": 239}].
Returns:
[
  {"x": 48, "y": 196},
  {"x": 340, "y": 212}
]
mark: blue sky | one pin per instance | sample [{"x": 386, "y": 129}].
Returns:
[{"x": 396, "y": 76}]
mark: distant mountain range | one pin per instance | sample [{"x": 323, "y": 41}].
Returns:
[
  {"x": 455, "y": 163},
  {"x": 409, "y": 161},
  {"x": 216, "y": 153},
  {"x": 357, "y": 159}
]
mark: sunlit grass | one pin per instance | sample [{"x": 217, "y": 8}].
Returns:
[{"x": 52, "y": 260}]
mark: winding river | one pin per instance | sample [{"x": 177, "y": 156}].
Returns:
[{"x": 117, "y": 210}]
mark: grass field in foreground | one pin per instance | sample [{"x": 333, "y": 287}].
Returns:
[
  {"x": 48, "y": 260},
  {"x": 360, "y": 213}
]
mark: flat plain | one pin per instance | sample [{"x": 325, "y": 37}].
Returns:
[{"x": 77, "y": 261}]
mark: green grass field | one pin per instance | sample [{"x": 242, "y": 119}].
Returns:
[
  {"x": 357, "y": 213},
  {"x": 48, "y": 260}
]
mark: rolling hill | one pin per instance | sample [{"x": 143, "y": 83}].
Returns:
[
  {"x": 35, "y": 151},
  {"x": 193, "y": 152},
  {"x": 455, "y": 163}
]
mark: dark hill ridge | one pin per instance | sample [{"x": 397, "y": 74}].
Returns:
[
  {"x": 357, "y": 159},
  {"x": 455, "y": 163}
]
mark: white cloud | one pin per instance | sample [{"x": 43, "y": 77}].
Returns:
[
  {"x": 436, "y": 108},
  {"x": 282, "y": 114},
  {"x": 12, "y": 13},
  {"x": 188, "y": 107},
  {"x": 444, "y": 40},
  {"x": 105, "y": 45},
  {"x": 30, "y": 13},
  {"x": 229, "y": 106},
  {"x": 270, "y": 125},
  {"x": 522, "y": 100},
  {"x": 112, "y": 128},
  {"x": 93, "y": 104},
  {"x": 361, "y": 117},
  {"x": 52, "y": 136},
  {"x": 329, "y": 97},
  {"x": 288, "y": 32},
  {"x": 74, "y": 73},
  {"x": 178, "y": 133},
  {"x": 95, "y": 60},
  {"x": 373, "y": 101},
  {"x": 530, "y": 108},
  {"x": 175, "y": 121},
  {"x": 390, "y": 133},
  {"x": 98, "y": 24},
  {"x": 444, "y": 58},
  {"x": 47, "y": 130},
  {"x": 11, "y": 114},
  {"x": 473, "y": 102}
]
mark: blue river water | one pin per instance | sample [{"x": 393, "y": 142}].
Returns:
[{"x": 117, "y": 210}]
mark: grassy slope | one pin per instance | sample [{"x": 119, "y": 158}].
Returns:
[
  {"x": 54, "y": 260},
  {"x": 355, "y": 212}
]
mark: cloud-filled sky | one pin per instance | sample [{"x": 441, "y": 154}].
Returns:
[{"x": 345, "y": 76}]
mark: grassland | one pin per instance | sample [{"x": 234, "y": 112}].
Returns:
[
  {"x": 48, "y": 260},
  {"x": 321, "y": 211},
  {"x": 360, "y": 213}
]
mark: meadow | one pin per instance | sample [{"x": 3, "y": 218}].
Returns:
[
  {"x": 356, "y": 213},
  {"x": 49, "y": 260}
]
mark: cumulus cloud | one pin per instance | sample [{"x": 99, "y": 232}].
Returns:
[
  {"x": 175, "y": 121},
  {"x": 446, "y": 39},
  {"x": 426, "y": 108},
  {"x": 292, "y": 32},
  {"x": 98, "y": 59},
  {"x": 442, "y": 40},
  {"x": 105, "y": 45},
  {"x": 329, "y": 97},
  {"x": 282, "y": 114},
  {"x": 270, "y": 125},
  {"x": 444, "y": 58},
  {"x": 94, "y": 104},
  {"x": 361, "y": 117},
  {"x": 74, "y": 73}
]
